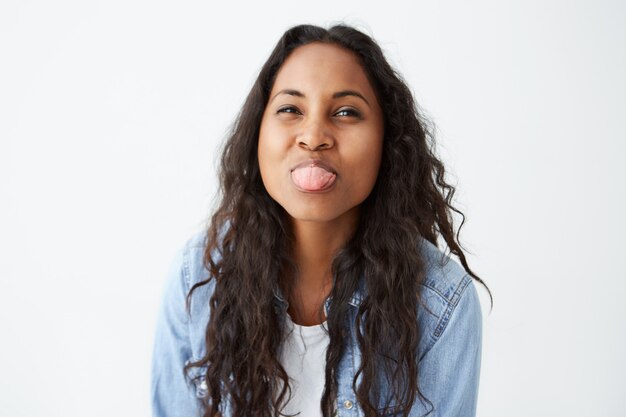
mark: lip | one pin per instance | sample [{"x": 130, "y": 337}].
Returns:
[{"x": 316, "y": 163}]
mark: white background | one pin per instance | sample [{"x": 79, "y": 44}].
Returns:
[{"x": 111, "y": 117}]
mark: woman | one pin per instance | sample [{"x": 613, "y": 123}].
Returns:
[{"x": 318, "y": 287}]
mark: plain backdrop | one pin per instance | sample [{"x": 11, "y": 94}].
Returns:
[{"x": 112, "y": 114}]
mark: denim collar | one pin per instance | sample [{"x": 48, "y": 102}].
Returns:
[{"x": 355, "y": 300}]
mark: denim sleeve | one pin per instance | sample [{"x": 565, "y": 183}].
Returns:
[
  {"x": 171, "y": 395},
  {"x": 450, "y": 371}
]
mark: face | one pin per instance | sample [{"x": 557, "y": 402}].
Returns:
[{"x": 321, "y": 135}]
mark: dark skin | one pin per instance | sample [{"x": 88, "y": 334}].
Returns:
[
  {"x": 321, "y": 107},
  {"x": 315, "y": 249}
]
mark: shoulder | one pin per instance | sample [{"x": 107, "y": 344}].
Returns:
[
  {"x": 193, "y": 254},
  {"x": 190, "y": 269},
  {"x": 195, "y": 247},
  {"x": 190, "y": 259},
  {"x": 444, "y": 276},
  {"x": 447, "y": 293}
]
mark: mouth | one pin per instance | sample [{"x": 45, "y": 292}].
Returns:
[{"x": 313, "y": 175}]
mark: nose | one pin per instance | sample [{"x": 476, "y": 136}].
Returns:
[{"x": 315, "y": 136}]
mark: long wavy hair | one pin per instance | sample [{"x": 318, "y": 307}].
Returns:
[{"x": 249, "y": 253}]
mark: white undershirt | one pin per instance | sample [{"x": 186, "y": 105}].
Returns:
[{"x": 303, "y": 356}]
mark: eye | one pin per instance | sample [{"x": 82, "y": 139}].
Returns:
[
  {"x": 348, "y": 112},
  {"x": 288, "y": 110}
]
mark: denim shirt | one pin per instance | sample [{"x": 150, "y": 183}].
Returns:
[{"x": 449, "y": 349}]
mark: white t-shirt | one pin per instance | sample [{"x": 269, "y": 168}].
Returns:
[{"x": 303, "y": 356}]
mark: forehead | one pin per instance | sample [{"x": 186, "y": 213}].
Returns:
[{"x": 322, "y": 66}]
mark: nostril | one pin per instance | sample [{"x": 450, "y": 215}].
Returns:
[{"x": 313, "y": 144}]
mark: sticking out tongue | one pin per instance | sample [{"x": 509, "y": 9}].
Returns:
[{"x": 312, "y": 178}]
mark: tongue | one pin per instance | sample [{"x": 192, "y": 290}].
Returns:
[{"x": 312, "y": 178}]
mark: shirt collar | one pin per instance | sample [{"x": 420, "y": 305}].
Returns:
[{"x": 355, "y": 300}]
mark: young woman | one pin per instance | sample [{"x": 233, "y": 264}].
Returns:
[{"x": 318, "y": 288}]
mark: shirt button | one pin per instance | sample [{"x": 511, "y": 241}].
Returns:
[
  {"x": 348, "y": 404},
  {"x": 202, "y": 389}
]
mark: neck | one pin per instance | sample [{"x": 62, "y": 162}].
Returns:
[{"x": 316, "y": 245}]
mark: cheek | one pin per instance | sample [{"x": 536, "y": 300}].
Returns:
[
  {"x": 266, "y": 163},
  {"x": 367, "y": 163},
  {"x": 370, "y": 173},
  {"x": 272, "y": 141},
  {"x": 264, "y": 146},
  {"x": 270, "y": 155}
]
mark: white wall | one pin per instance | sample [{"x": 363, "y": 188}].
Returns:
[{"x": 111, "y": 114}]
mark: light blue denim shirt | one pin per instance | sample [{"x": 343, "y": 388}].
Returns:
[{"x": 449, "y": 348}]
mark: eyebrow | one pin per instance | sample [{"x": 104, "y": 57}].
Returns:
[{"x": 338, "y": 94}]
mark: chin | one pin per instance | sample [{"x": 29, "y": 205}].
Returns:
[
  {"x": 312, "y": 216},
  {"x": 320, "y": 214}
]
